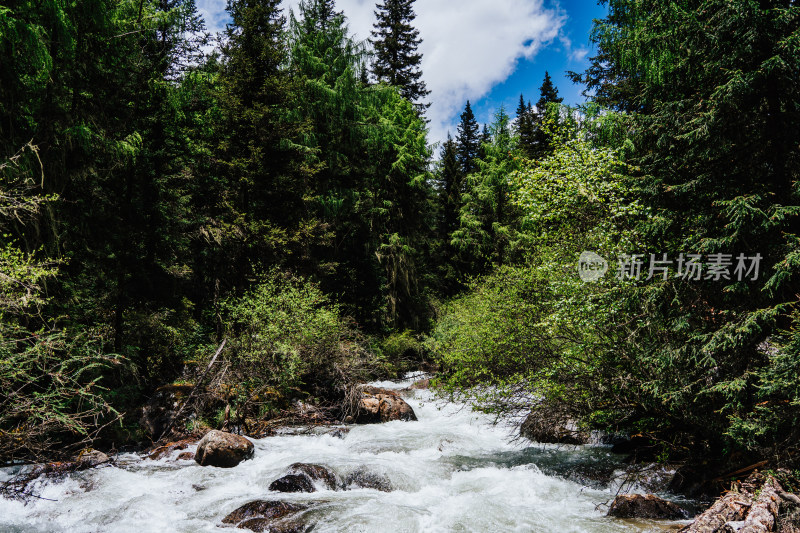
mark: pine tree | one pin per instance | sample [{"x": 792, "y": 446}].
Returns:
[
  {"x": 468, "y": 141},
  {"x": 397, "y": 61},
  {"x": 541, "y": 141},
  {"x": 451, "y": 180},
  {"x": 524, "y": 127},
  {"x": 548, "y": 93}
]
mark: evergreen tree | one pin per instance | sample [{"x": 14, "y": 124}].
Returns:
[
  {"x": 487, "y": 224},
  {"x": 451, "y": 188},
  {"x": 468, "y": 141},
  {"x": 397, "y": 61},
  {"x": 262, "y": 186},
  {"x": 544, "y": 120},
  {"x": 525, "y": 127},
  {"x": 717, "y": 99},
  {"x": 548, "y": 93}
]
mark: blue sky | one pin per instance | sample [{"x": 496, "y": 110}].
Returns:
[
  {"x": 487, "y": 51},
  {"x": 571, "y": 51}
]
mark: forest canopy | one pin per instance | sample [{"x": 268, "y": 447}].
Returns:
[{"x": 273, "y": 190}]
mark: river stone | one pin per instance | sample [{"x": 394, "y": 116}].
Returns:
[
  {"x": 365, "y": 479},
  {"x": 168, "y": 448},
  {"x": 293, "y": 483},
  {"x": 316, "y": 473},
  {"x": 649, "y": 506},
  {"x": 266, "y": 525},
  {"x": 382, "y": 405},
  {"x": 92, "y": 458},
  {"x": 224, "y": 450},
  {"x": 260, "y": 509},
  {"x": 553, "y": 425}
]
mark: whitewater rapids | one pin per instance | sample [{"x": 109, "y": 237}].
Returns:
[{"x": 452, "y": 471}]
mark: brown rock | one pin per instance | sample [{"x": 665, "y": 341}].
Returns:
[
  {"x": 316, "y": 473},
  {"x": 293, "y": 483},
  {"x": 551, "y": 424},
  {"x": 166, "y": 449},
  {"x": 649, "y": 506},
  {"x": 381, "y": 405},
  {"x": 422, "y": 384},
  {"x": 224, "y": 450},
  {"x": 266, "y": 525},
  {"x": 91, "y": 458},
  {"x": 272, "y": 510},
  {"x": 186, "y": 456}
]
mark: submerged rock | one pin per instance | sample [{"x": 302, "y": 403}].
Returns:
[
  {"x": 293, "y": 483},
  {"x": 382, "y": 405},
  {"x": 273, "y": 510},
  {"x": 224, "y": 450},
  {"x": 266, "y": 525},
  {"x": 366, "y": 479},
  {"x": 320, "y": 473},
  {"x": 268, "y": 516},
  {"x": 649, "y": 506},
  {"x": 166, "y": 449}
]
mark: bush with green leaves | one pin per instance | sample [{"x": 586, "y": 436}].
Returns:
[
  {"x": 287, "y": 340},
  {"x": 535, "y": 330}
]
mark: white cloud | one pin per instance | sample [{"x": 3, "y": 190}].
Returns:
[{"x": 469, "y": 46}]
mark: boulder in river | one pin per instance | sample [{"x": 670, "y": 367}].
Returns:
[
  {"x": 553, "y": 425},
  {"x": 382, "y": 405},
  {"x": 319, "y": 473},
  {"x": 293, "y": 483},
  {"x": 168, "y": 448},
  {"x": 274, "y": 510},
  {"x": 649, "y": 506},
  {"x": 366, "y": 479},
  {"x": 224, "y": 450},
  {"x": 91, "y": 458},
  {"x": 271, "y": 516},
  {"x": 266, "y": 525}
]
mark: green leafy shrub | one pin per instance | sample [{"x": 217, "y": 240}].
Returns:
[{"x": 287, "y": 340}]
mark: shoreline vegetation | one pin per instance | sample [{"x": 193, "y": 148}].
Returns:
[{"x": 236, "y": 232}]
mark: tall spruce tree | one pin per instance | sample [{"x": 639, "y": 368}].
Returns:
[
  {"x": 397, "y": 61},
  {"x": 468, "y": 141},
  {"x": 525, "y": 127},
  {"x": 548, "y": 93},
  {"x": 543, "y": 119},
  {"x": 451, "y": 187}
]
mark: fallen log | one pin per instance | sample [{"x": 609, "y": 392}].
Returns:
[
  {"x": 763, "y": 513},
  {"x": 752, "y": 506}
]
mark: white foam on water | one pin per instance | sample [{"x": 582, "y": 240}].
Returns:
[{"x": 451, "y": 471}]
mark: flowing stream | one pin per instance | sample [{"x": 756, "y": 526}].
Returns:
[{"x": 451, "y": 471}]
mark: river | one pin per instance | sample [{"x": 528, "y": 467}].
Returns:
[{"x": 451, "y": 471}]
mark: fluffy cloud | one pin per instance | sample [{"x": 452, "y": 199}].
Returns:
[{"x": 469, "y": 46}]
